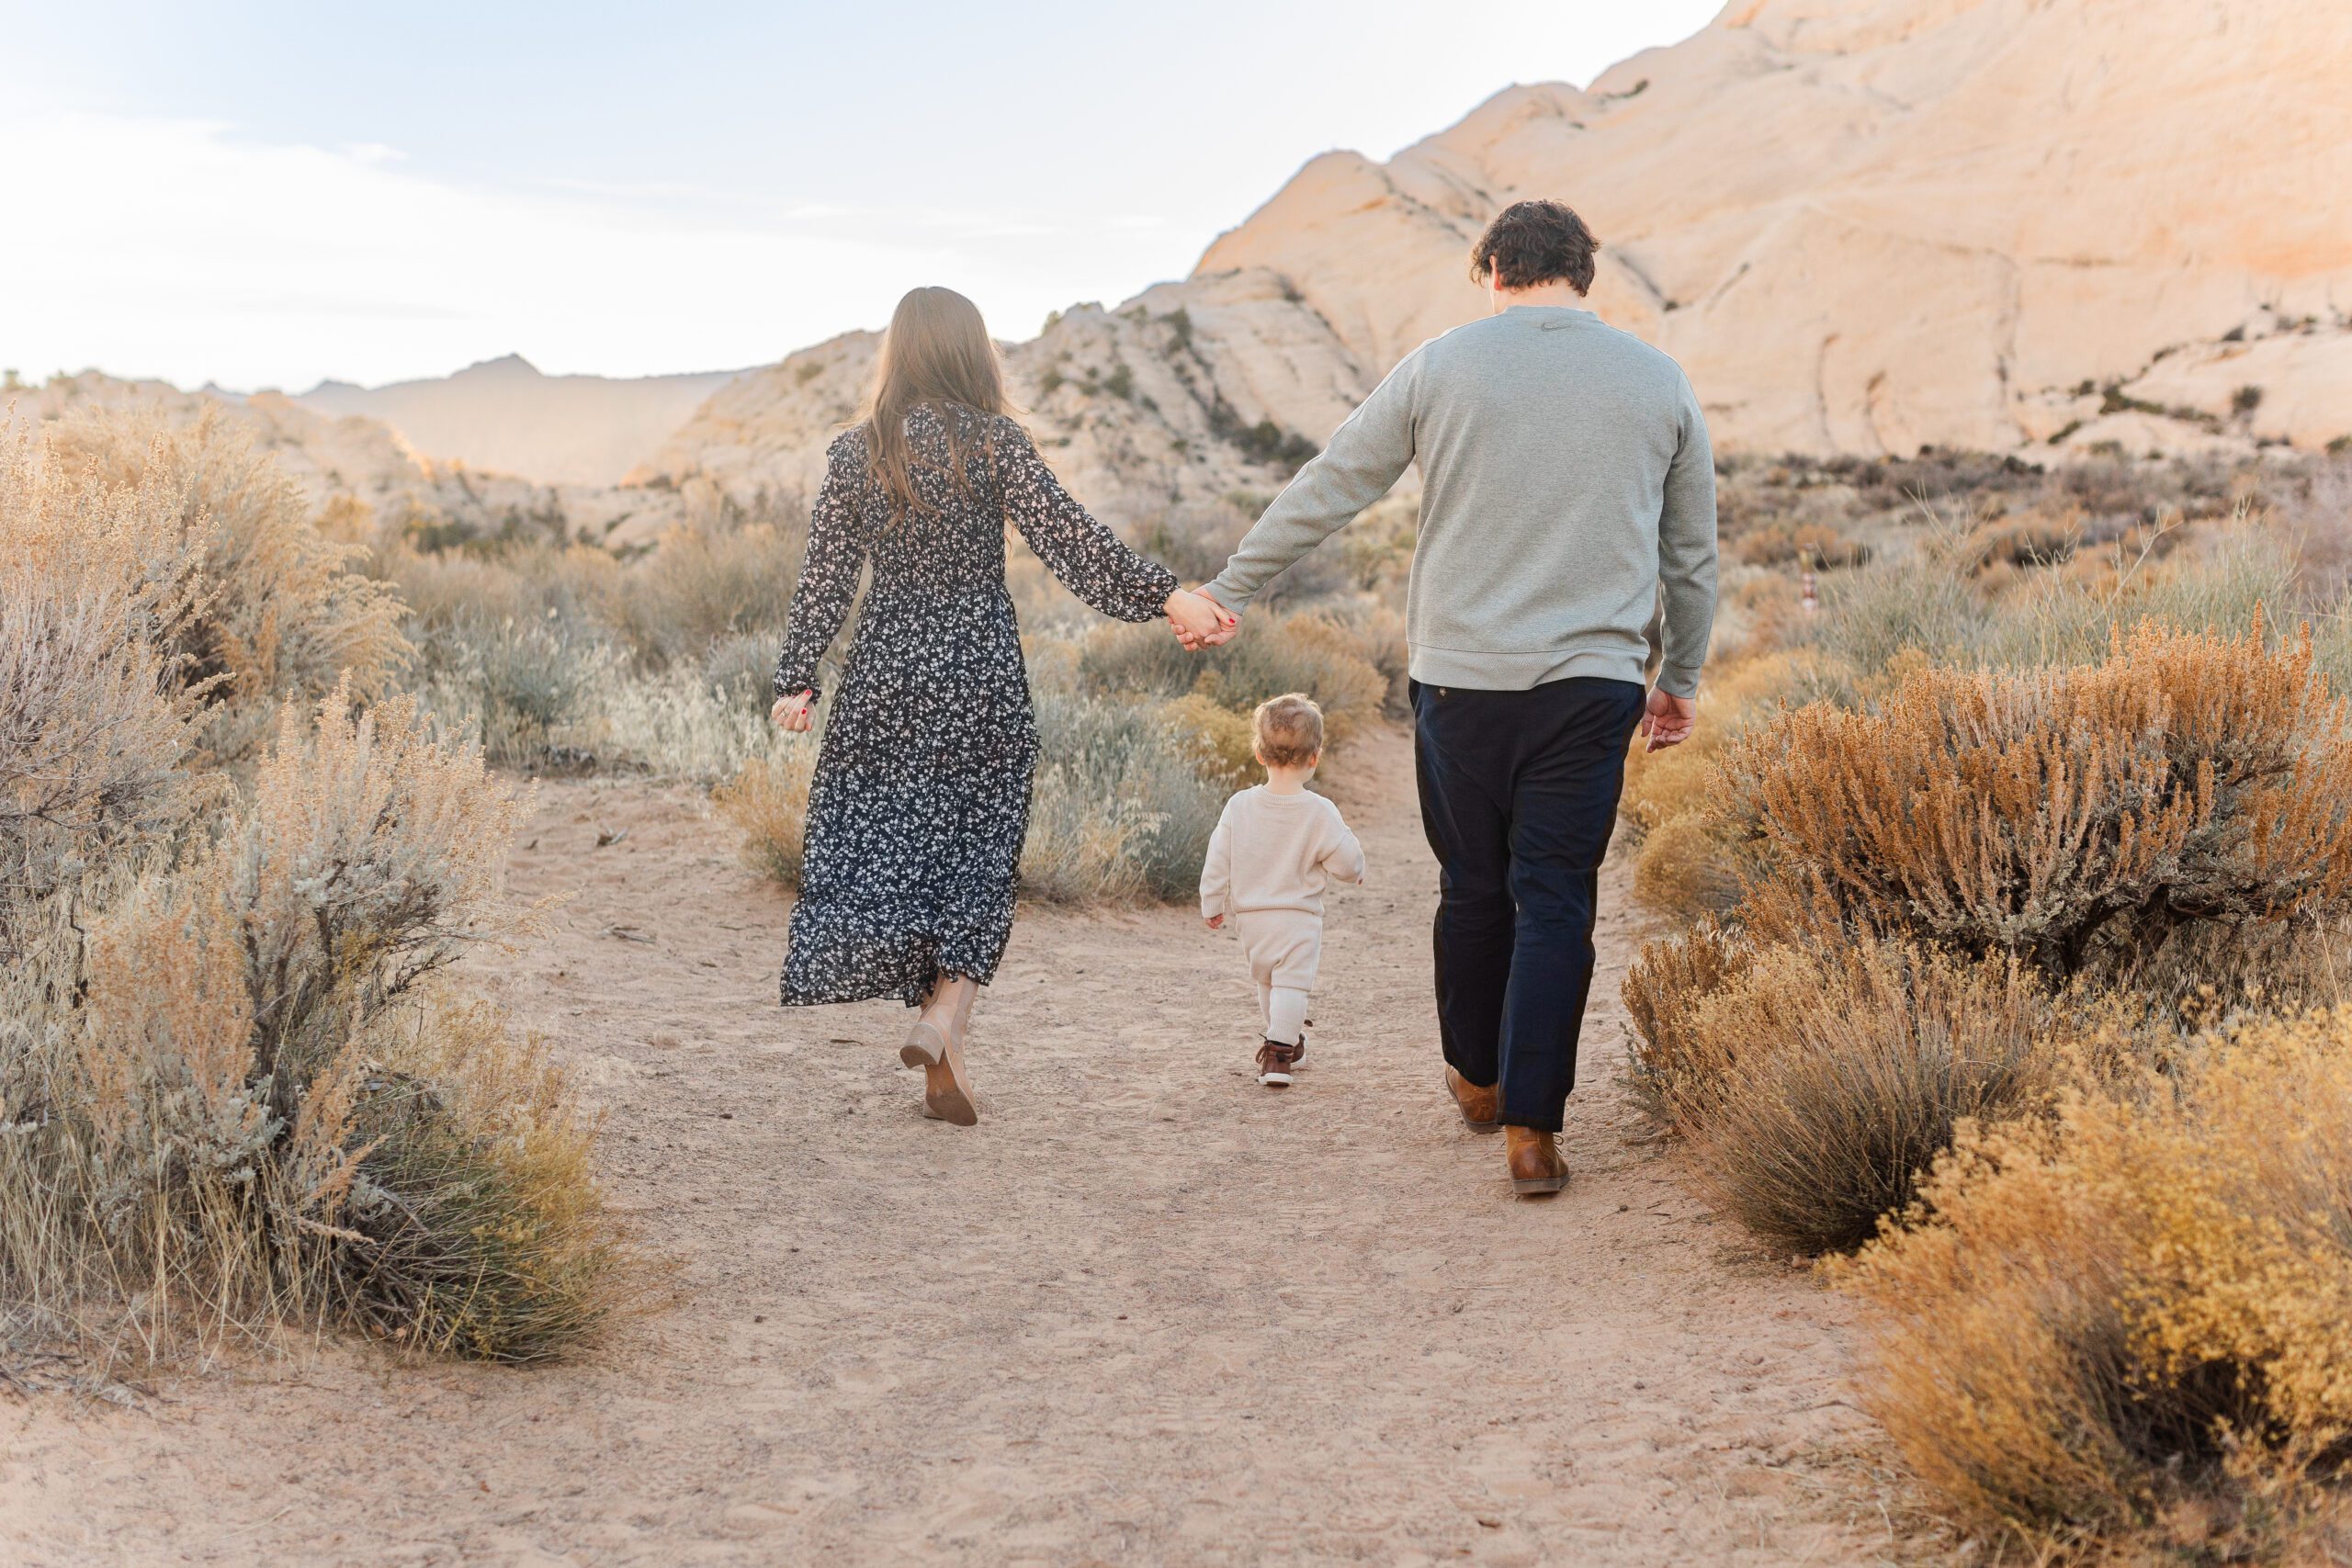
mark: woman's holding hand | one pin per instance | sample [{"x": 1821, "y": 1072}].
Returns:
[{"x": 1199, "y": 621}]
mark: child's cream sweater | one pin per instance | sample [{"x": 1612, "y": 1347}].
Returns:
[{"x": 1276, "y": 851}]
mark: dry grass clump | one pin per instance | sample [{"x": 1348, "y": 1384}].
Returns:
[
  {"x": 242, "y": 1097},
  {"x": 233, "y": 1086},
  {"x": 1838, "y": 1076},
  {"x": 1220, "y": 742},
  {"x": 1120, "y": 812},
  {"x": 2172, "y": 828},
  {"x": 2138, "y": 1317},
  {"x": 703, "y": 583},
  {"x": 283, "y": 618},
  {"x": 96, "y": 720},
  {"x": 1338, "y": 664},
  {"x": 1688, "y": 859},
  {"x": 2087, "y": 821},
  {"x": 1676, "y": 1066},
  {"x": 768, "y": 803}
]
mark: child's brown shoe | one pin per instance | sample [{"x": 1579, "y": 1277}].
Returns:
[{"x": 1275, "y": 1060}]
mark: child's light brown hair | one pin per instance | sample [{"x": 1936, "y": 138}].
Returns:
[{"x": 1287, "y": 730}]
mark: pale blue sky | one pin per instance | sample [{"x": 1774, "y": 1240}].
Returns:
[{"x": 266, "y": 193}]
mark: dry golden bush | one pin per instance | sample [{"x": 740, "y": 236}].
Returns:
[
  {"x": 2137, "y": 1316},
  {"x": 94, "y": 721},
  {"x": 241, "y": 1096},
  {"x": 1675, "y": 1067},
  {"x": 768, "y": 803},
  {"x": 1840, "y": 1074},
  {"x": 372, "y": 856},
  {"x": 1687, "y": 866},
  {"x": 283, "y": 616},
  {"x": 1686, "y": 779},
  {"x": 1218, "y": 741},
  {"x": 1782, "y": 542},
  {"x": 703, "y": 583},
  {"x": 2079, "y": 819},
  {"x": 1331, "y": 660}
]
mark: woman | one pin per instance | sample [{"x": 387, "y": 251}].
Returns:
[{"x": 921, "y": 799}]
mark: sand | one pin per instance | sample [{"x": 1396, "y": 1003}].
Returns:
[{"x": 1147, "y": 1312}]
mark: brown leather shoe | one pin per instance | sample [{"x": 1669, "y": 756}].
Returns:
[
  {"x": 1535, "y": 1161},
  {"x": 1480, "y": 1107},
  {"x": 1275, "y": 1062}
]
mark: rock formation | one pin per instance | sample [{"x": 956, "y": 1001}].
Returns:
[
  {"x": 1867, "y": 225},
  {"x": 1187, "y": 393}
]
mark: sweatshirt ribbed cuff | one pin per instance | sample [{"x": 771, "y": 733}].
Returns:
[{"x": 1679, "y": 679}]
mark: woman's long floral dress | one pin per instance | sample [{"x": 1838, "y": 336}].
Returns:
[{"x": 921, "y": 799}]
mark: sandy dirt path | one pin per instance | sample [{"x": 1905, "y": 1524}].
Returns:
[{"x": 1147, "y": 1311}]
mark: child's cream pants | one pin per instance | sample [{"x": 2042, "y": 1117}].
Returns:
[{"x": 1283, "y": 946}]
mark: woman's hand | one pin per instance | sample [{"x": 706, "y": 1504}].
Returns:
[
  {"x": 1198, "y": 620},
  {"x": 791, "y": 714}
]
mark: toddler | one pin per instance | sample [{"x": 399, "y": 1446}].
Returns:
[{"x": 1275, "y": 850}]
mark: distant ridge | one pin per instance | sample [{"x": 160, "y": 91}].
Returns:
[{"x": 505, "y": 414}]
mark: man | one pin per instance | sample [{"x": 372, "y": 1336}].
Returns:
[{"x": 1567, "y": 485}]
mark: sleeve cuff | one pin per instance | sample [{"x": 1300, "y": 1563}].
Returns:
[{"x": 1678, "y": 680}]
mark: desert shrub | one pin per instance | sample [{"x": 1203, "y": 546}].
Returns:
[
  {"x": 96, "y": 722},
  {"x": 1687, "y": 866},
  {"x": 484, "y": 1233},
  {"x": 1193, "y": 539},
  {"x": 2242, "y": 576},
  {"x": 1675, "y": 1067},
  {"x": 703, "y": 585},
  {"x": 739, "y": 668},
  {"x": 1376, "y": 551},
  {"x": 2138, "y": 1315},
  {"x": 1308, "y": 652},
  {"x": 675, "y": 724},
  {"x": 283, "y": 618},
  {"x": 1119, "y": 810},
  {"x": 1839, "y": 1074},
  {"x": 1784, "y": 542},
  {"x": 768, "y": 803},
  {"x": 2083, "y": 820},
  {"x": 581, "y": 586},
  {"x": 1687, "y": 857},
  {"x": 1218, "y": 741},
  {"x": 518, "y": 688},
  {"x": 243, "y": 1094},
  {"x": 2171, "y": 827},
  {"x": 1921, "y": 599}
]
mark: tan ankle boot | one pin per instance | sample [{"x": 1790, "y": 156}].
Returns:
[
  {"x": 1535, "y": 1161},
  {"x": 935, "y": 1044},
  {"x": 1479, "y": 1107}
]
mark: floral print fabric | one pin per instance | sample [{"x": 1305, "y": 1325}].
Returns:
[{"x": 921, "y": 800}]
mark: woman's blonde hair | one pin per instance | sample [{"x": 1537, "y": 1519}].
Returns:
[{"x": 937, "y": 352}]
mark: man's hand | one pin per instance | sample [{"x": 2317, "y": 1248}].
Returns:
[
  {"x": 1216, "y": 922},
  {"x": 1669, "y": 720},
  {"x": 1198, "y": 620},
  {"x": 791, "y": 714}
]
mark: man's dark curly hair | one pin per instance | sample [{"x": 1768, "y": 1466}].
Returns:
[{"x": 1535, "y": 242}]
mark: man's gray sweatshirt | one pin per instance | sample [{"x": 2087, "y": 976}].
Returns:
[{"x": 1566, "y": 479}]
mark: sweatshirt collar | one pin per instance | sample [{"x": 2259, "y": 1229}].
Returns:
[{"x": 1550, "y": 316}]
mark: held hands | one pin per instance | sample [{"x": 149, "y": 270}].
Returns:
[
  {"x": 1199, "y": 621},
  {"x": 791, "y": 714},
  {"x": 1669, "y": 720}
]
